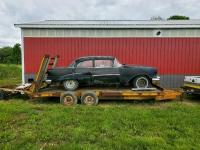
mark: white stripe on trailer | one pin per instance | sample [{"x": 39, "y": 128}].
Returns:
[{"x": 143, "y": 89}]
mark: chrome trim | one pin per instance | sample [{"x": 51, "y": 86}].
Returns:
[
  {"x": 156, "y": 78},
  {"x": 106, "y": 75},
  {"x": 48, "y": 81}
]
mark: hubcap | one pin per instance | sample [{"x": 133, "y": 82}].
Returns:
[
  {"x": 68, "y": 100},
  {"x": 89, "y": 100},
  {"x": 70, "y": 84},
  {"x": 142, "y": 82}
]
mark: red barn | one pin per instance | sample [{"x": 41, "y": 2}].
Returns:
[{"x": 171, "y": 46}]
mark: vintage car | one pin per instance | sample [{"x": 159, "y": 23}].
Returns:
[{"x": 101, "y": 71}]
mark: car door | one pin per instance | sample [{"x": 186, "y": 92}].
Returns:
[
  {"x": 83, "y": 72},
  {"x": 104, "y": 73}
]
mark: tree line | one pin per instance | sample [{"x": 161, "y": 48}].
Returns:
[
  {"x": 174, "y": 17},
  {"x": 10, "y": 55}
]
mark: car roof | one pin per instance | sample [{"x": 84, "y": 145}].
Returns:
[{"x": 94, "y": 57}]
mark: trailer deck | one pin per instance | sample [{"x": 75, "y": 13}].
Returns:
[{"x": 114, "y": 93}]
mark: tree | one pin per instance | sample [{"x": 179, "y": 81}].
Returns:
[
  {"x": 5, "y": 54},
  {"x": 10, "y": 55},
  {"x": 177, "y": 17},
  {"x": 16, "y": 52}
]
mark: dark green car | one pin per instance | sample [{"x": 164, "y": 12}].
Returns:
[{"x": 102, "y": 71}]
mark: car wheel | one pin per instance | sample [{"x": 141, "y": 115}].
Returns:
[
  {"x": 70, "y": 85},
  {"x": 141, "y": 82},
  {"x": 89, "y": 98},
  {"x": 68, "y": 98}
]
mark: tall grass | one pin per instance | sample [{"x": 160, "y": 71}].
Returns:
[{"x": 10, "y": 74}]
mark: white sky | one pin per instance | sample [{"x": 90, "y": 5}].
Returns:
[{"x": 19, "y": 11}]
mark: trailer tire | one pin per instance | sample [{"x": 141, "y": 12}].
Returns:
[
  {"x": 89, "y": 98},
  {"x": 68, "y": 98},
  {"x": 2, "y": 95},
  {"x": 70, "y": 85}
]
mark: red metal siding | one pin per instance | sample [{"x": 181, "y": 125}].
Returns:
[{"x": 169, "y": 55}]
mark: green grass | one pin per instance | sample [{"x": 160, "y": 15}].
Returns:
[
  {"x": 49, "y": 125},
  {"x": 10, "y": 74},
  {"x": 45, "y": 124}
]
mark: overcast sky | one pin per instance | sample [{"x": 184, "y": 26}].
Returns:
[{"x": 19, "y": 11}]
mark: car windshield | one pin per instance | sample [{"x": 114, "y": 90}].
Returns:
[{"x": 117, "y": 63}]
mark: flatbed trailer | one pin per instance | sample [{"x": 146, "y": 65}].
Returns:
[
  {"x": 112, "y": 93},
  {"x": 89, "y": 95},
  {"x": 191, "y": 88},
  {"x": 191, "y": 85}
]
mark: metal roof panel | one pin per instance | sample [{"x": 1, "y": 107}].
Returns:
[{"x": 111, "y": 24}]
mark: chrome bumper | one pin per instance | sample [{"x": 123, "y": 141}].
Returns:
[
  {"x": 156, "y": 80},
  {"x": 48, "y": 81}
]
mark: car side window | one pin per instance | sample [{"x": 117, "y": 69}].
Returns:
[
  {"x": 85, "y": 64},
  {"x": 103, "y": 63}
]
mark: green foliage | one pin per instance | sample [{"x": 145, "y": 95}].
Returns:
[
  {"x": 123, "y": 125},
  {"x": 16, "y": 54},
  {"x": 177, "y": 17},
  {"x": 10, "y": 74},
  {"x": 6, "y": 55},
  {"x": 10, "y": 55}
]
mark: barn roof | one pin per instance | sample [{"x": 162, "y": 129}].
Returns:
[{"x": 111, "y": 24}]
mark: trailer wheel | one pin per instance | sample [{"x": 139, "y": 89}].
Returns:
[
  {"x": 4, "y": 95},
  {"x": 1, "y": 95},
  {"x": 89, "y": 98},
  {"x": 141, "y": 82},
  {"x": 70, "y": 85},
  {"x": 68, "y": 98}
]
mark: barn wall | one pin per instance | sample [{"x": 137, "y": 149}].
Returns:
[{"x": 174, "y": 57}]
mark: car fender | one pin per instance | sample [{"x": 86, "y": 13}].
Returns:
[
  {"x": 67, "y": 77},
  {"x": 74, "y": 76}
]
